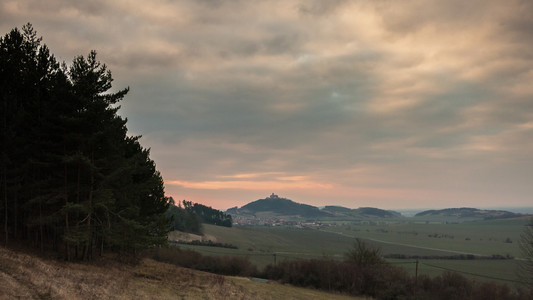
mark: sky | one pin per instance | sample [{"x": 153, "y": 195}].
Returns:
[{"x": 389, "y": 104}]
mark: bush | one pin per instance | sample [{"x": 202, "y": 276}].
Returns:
[
  {"x": 347, "y": 277},
  {"x": 451, "y": 285},
  {"x": 223, "y": 265},
  {"x": 363, "y": 255}
]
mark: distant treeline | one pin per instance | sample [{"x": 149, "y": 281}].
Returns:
[
  {"x": 187, "y": 216},
  {"x": 208, "y": 243},
  {"x": 451, "y": 257},
  {"x": 208, "y": 215},
  {"x": 71, "y": 178}
]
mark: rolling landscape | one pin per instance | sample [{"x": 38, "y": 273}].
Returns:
[
  {"x": 479, "y": 245},
  {"x": 482, "y": 244}
]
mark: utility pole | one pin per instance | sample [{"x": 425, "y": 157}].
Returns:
[{"x": 416, "y": 273}]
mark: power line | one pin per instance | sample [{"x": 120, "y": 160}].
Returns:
[
  {"x": 279, "y": 254},
  {"x": 402, "y": 263},
  {"x": 293, "y": 254},
  {"x": 473, "y": 274}
]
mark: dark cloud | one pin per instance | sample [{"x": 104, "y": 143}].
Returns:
[
  {"x": 518, "y": 24},
  {"x": 441, "y": 17}
]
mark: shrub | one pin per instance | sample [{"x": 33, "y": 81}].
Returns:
[
  {"x": 362, "y": 255},
  {"x": 346, "y": 277},
  {"x": 224, "y": 265}
]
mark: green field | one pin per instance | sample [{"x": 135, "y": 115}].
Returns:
[
  {"x": 478, "y": 238},
  {"x": 265, "y": 245}
]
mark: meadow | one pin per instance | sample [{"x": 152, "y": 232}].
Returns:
[{"x": 267, "y": 245}]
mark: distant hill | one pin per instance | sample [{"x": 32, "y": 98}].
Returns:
[
  {"x": 340, "y": 211},
  {"x": 276, "y": 206},
  {"x": 468, "y": 212},
  {"x": 371, "y": 211},
  {"x": 337, "y": 210}
]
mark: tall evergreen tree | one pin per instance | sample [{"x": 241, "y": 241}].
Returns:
[{"x": 70, "y": 175}]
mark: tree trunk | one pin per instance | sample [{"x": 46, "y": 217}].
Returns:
[
  {"x": 4, "y": 169},
  {"x": 15, "y": 216},
  {"x": 67, "y": 246},
  {"x": 41, "y": 245},
  {"x": 4, "y": 183},
  {"x": 88, "y": 245},
  {"x": 77, "y": 202}
]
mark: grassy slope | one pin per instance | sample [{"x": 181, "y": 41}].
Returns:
[{"x": 31, "y": 277}]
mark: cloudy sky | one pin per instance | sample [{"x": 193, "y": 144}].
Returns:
[{"x": 390, "y": 104}]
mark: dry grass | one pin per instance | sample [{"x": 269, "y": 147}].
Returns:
[{"x": 24, "y": 276}]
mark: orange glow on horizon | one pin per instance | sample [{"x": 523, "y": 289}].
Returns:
[{"x": 249, "y": 185}]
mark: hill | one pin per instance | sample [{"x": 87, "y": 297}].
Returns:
[
  {"x": 339, "y": 211},
  {"x": 26, "y": 276},
  {"x": 468, "y": 212},
  {"x": 275, "y": 206}
]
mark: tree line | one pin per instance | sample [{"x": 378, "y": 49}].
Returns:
[
  {"x": 208, "y": 214},
  {"x": 71, "y": 178},
  {"x": 188, "y": 216}
]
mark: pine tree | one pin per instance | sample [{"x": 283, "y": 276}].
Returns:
[{"x": 70, "y": 175}]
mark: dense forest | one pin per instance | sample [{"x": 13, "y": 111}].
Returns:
[
  {"x": 72, "y": 179},
  {"x": 188, "y": 216},
  {"x": 208, "y": 214}
]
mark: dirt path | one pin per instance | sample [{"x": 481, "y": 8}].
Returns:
[{"x": 407, "y": 245}]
